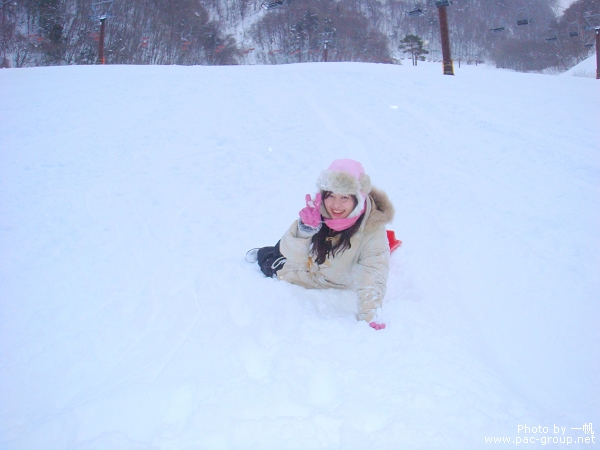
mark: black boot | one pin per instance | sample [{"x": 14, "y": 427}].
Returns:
[{"x": 270, "y": 260}]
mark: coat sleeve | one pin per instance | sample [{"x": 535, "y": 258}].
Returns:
[
  {"x": 294, "y": 246},
  {"x": 299, "y": 268},
  {"x": 371, "y": 275}
]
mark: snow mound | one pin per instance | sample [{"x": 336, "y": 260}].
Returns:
[{"x": 586, "y": 68}]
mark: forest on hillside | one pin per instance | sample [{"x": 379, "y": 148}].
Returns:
[{"x": 524, "y": 35}]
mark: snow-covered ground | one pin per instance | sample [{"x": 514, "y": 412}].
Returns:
[
  {"x": 586, "y": 68},
  {"x": 129, "y": 318}
]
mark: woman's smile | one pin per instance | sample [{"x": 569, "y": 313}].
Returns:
[{"x": 339, "y": 206}]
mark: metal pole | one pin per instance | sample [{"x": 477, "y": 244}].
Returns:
[
  {"x": 101, "y": 59},
  {"x": 448, "y": 68},
  {"x": 3, "y": 37},
  {"x": 325, "y": 52},
  {"x": 597, "y": 29}
]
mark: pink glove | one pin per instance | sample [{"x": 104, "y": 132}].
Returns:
[
  {"x": 311, "y": 215},
  {"x": 377, "y": 326}
]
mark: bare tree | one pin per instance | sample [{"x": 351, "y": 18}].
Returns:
[{"x": 521, "y": 34}]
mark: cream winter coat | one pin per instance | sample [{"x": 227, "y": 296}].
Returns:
[{"x": 363, "y": 267}]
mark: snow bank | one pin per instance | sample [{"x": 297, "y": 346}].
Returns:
[{"x": 586, "y": 68}]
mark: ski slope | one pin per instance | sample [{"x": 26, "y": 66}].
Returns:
[
  {"x": 586, "y": 68},
  {"x": 129, "y": 318}
]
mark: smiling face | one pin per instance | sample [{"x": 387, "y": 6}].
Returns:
[{"x": 339, "y": 206}]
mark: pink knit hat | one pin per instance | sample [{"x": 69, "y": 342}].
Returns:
[{"x": 346, "y": 177}]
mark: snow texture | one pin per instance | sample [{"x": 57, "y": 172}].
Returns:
[
  {"x": 586, "y": 68},
  {"x": 129, "y": 318}
]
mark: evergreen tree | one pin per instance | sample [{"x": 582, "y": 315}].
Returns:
[{"x": 414, "y": 45}]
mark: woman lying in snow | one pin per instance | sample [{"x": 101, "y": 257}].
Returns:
[{"x": 339, "y": 241}]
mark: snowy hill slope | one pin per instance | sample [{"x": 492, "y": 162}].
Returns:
[
  {"x": 129, "y": 318},
  {"x": 586, "y": 68}
]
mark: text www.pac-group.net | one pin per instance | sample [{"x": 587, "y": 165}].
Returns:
[{"x": 545, "y": 435}]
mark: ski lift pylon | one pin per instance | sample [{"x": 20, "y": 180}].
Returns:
[{"x": 102, "y": 9}]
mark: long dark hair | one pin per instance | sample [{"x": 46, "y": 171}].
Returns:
[{"x": 330, "y": 242}]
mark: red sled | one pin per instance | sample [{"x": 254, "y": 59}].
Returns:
[{"x": 394, "y": 243}]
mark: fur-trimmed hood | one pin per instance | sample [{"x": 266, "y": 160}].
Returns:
[{"x": 382, "y": 210}]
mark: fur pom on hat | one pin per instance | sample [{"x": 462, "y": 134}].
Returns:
[{"x": 346, "y": 177}]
